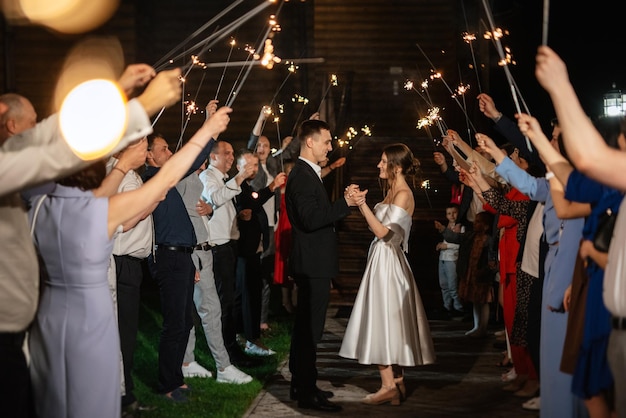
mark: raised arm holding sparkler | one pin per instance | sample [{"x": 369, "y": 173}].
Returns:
[{"x": 507, "y": 128}]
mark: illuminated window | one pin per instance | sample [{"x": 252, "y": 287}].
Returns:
[{"x": 614, "y": 103}]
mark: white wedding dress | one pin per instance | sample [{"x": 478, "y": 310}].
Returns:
[{"x": 388, "y": 324}]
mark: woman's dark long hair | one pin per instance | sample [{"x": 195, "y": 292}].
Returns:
[{"x": 88, "y": 178}]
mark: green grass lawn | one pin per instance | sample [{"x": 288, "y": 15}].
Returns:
[{"x": 208, "y": 398}]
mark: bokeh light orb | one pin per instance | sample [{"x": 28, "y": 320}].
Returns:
[
  {"x": 93, "y": 118},
  {"x": 65, "y": 16}
]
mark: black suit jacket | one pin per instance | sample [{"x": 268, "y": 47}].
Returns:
[
  {"x": 312, "y": 215},
  {"x": 251, "y": 232}
]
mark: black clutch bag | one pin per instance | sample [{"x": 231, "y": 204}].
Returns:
[{"x": 604, "y": 233}]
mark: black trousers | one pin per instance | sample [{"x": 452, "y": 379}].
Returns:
[
  {"x": 313, "y": 297},
  {"x": 224, "y": 270},
  {"x": 15, "y": 388},
  {"x": 250, "y": 288},
  {"x": 174, "y": 273},
  {"x": 129, "y": 272}
]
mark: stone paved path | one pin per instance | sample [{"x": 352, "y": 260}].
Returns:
[{"x": 464, "y": 382}]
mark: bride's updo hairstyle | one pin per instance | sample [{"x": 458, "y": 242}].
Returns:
[{"x": 399, "y": 155}]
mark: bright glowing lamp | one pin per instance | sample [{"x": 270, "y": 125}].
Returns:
[{"x": 93, "y": 118}]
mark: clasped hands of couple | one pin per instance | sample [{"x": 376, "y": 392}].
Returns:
[{"x": 354, "y": 195}]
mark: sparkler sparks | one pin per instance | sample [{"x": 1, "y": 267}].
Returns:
[
  {"x": 333, "y": 83},
  {"x": 461, "y": 89},
  {"x": 268, "y": 59},
  {"x": 195, "y": 60},
  {"x": 352, "y": 133},
  {"x": 299, "y": 99},
  {"x": 508, "y": 58},
  {"x": 496, "y": 33},
  {"x": 191, "y": 108},
  {"x": 431, "y": 118},
  {"x": 291, "y": 66},
  {"x": 469, "y": 37}
]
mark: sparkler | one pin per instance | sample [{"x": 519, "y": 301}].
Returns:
[
  {"x": 437, "y": 75},
  {"x": 432, "y": 116},
  {"x": 469, "y": 38},
  {"x": 291, "y": 69},
  {"x": 460, "y": 91},
  {"x": 425, "y": 185},
  {"x": 217, "y": 36},
  {"x": 276, "y": 121},
  {"x": 198, "y": 32},
  {"x": 546, "y": 15},
  {"x": 232, "y": 45},
  {"x": 272, "y": 23},
  {"x": 507, "y": 71},
  {"x": 190, "y": 108},
  {"x": 352, "y": 133},
  {"x": 333, "y": 82},
  {"x": 299, "y": 99}
]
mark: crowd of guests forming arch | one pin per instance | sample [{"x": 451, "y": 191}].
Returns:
[{"x": 529, "y": 217}]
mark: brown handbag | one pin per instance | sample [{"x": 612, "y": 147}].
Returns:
[{"x": 576, "y": 318}]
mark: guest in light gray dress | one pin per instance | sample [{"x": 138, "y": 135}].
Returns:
[{"x": 74, "y": 342}]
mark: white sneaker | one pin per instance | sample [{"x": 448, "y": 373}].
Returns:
[
  {"x": 533, "y": 404},
  {"x": 231, "y": 374},
  {"x": 509, "y": 376},
  {"x": 195, "y": 370},
  {"x": 255, "y": 350}
]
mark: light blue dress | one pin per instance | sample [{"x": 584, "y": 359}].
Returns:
[
  {"x": 388, "y": 324},
  {"x": 74, "y": 341}
]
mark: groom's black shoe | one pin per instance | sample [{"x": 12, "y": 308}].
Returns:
[
  {"x": 293, "y": 393},
  {"x": 319, "y": 403}
]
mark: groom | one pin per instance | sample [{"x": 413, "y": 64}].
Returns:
[{"x": 313, "y": 260}]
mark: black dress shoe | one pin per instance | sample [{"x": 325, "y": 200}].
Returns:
[
  {"x": 319, "y": 403},
  {"x": 293, "y": 393},
  {"x": 242, "y": 360}
]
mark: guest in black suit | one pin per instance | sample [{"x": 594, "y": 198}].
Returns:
[
  {"x": 253, "y": 240},
  {"x": 313, "y": 260}
]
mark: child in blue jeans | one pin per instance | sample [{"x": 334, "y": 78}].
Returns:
[{"x": 448, "y": 255}]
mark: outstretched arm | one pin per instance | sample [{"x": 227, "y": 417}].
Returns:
[
  {"x": 553, "y": 159},
  {"x": 126, "y": 206},
  {"x": 584, "y": 144}
]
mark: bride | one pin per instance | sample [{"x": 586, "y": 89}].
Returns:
[{"x": 388, "y": 326}]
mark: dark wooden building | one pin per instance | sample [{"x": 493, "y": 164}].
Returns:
[{"x": 371, "y": 48}]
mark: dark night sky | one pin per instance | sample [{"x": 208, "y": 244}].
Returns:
[{"x": 589, "y": 39}]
